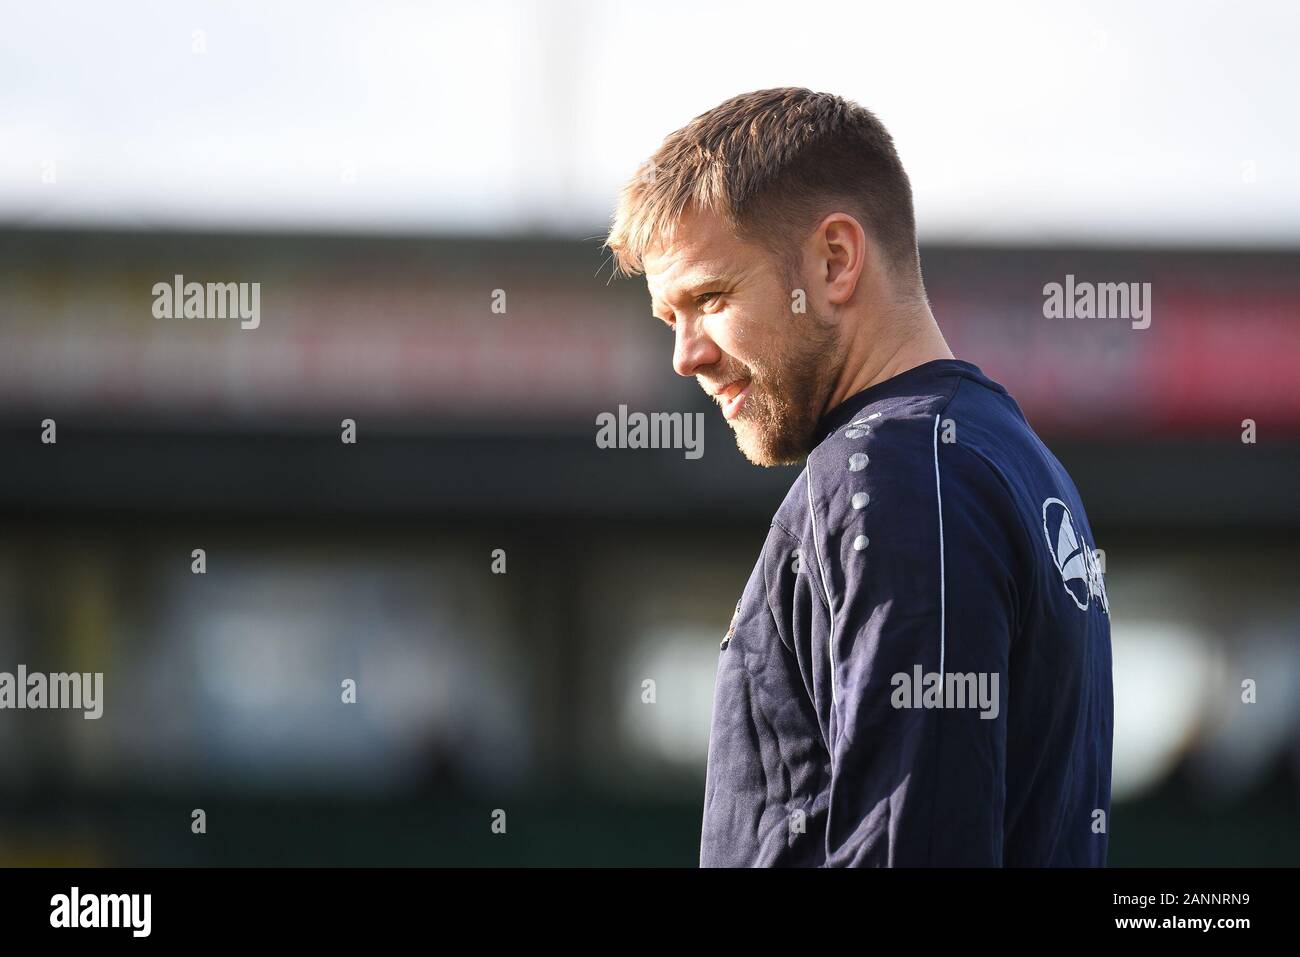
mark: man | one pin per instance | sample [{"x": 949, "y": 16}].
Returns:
[{"x": 919, "y": 670}]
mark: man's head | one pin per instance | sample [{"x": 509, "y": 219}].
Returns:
[{"x": 777, "y": 238}]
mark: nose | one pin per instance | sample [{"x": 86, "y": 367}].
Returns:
[{"x": 693, "y": 348}]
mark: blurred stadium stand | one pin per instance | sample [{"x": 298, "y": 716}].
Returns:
[{"x": 476, "y": 431}]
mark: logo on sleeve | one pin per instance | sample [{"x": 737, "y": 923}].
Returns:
[
  {"x": 731, "y": 628},
  {"x": 1073, "y": 558}
]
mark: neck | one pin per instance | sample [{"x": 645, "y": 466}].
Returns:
[{"x": 903, "y": 338}]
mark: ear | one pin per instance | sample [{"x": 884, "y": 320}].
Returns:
[{"x": 840, "y": 253}]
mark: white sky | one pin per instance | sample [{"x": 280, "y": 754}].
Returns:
[{"x": 1159, "y": 122}]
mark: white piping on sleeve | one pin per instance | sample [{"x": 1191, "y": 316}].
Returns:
[
  {"x": 938, "y": 495},
  {"x": 812, "y": 517}
]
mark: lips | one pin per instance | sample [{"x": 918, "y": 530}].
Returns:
[{"x": 733, "y": 397}]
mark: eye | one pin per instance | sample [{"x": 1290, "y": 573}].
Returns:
[{"x": 705, "y": 298}]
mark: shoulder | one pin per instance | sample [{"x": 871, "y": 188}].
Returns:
[
  {"x": 890, "y": 454},
  {"x": 883, "y": 460}
]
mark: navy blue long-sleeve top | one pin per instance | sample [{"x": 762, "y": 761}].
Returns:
[{"x": 918, "y": 672}]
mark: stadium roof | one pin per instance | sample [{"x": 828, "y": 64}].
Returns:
[{"x": 1164, "y": 122}]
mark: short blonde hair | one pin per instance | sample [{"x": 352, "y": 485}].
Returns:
[{"x": 771, "y": 164}]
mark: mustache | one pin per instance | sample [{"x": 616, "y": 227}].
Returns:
[{"x": 721, "y": 379}]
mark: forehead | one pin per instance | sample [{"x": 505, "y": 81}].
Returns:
[{"x": 701, "y": 249}]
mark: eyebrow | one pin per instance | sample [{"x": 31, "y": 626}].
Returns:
[{"x": 694, "y": 284}]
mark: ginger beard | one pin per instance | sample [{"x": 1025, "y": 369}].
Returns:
[{"x": 789, "y": 380}]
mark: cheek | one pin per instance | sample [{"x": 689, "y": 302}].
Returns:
[
  {"x": 738, "y": 335},
  {"x": 751, "y": 336}
]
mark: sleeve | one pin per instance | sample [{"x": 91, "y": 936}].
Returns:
[{"x": 918, "y": 562}]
